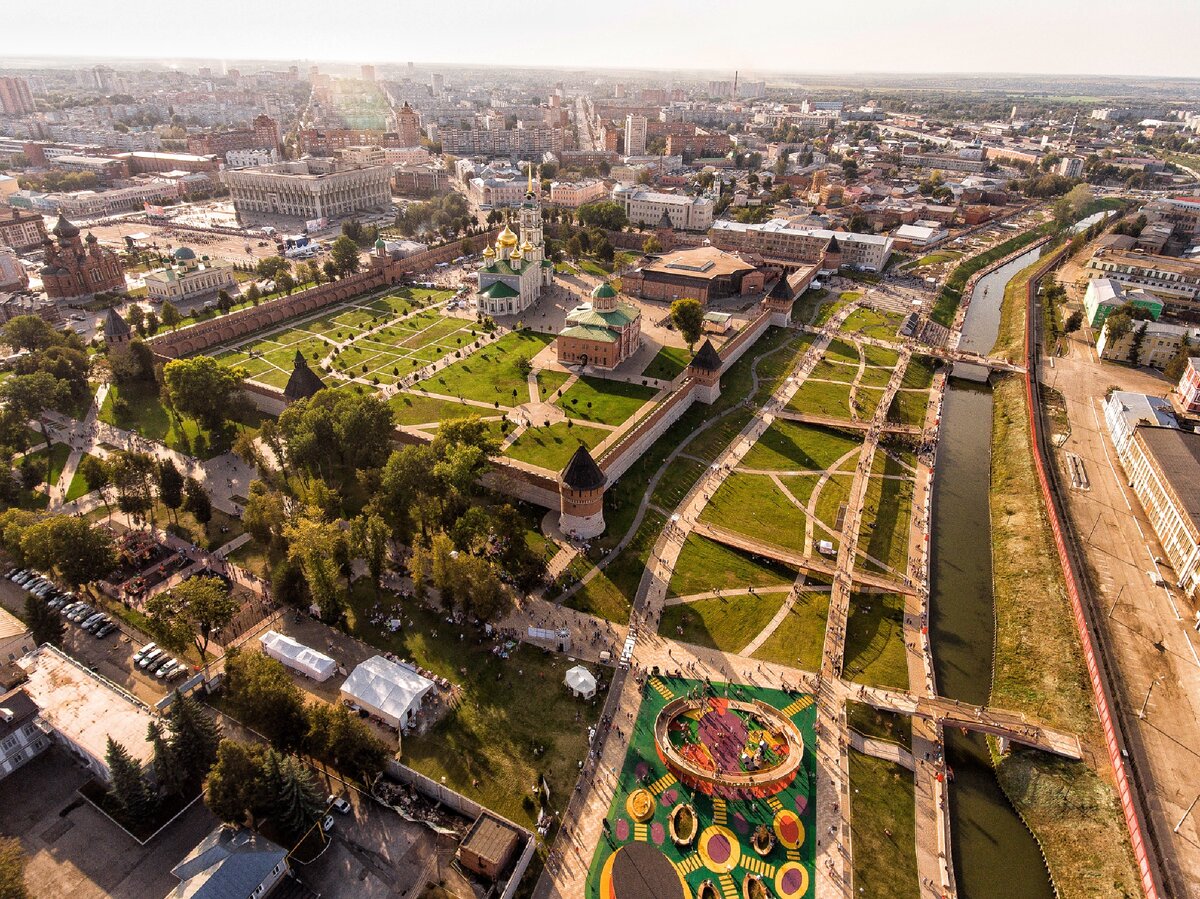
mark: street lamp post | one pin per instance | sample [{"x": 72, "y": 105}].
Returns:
[{"x": 1142, "y": 711}]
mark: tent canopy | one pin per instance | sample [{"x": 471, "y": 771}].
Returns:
[
  {"x": 386, "y": 689},
  {"x": 295, "y": 655},
  {"x": 581, "y": 682}
]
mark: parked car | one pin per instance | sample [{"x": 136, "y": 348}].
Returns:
[
  {"x": 339, "y": 803},
  {"x": 327, "y": 824},
  {"x": 148, "y": 659},
  {"x": 107, "y": 628},
  {"x": 141, "y": 653},
  {"x": 164, "y": 668},
  {"x": 82, "y": 612},
  {"x": 91, "y": 620},
  {"x": 177, "y": 673}
]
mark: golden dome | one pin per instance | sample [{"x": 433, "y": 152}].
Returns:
[
  {"x": 506, "y": 238},
  {"x": 515, "y": 255},
  {"x": 527, "y": 246},
  {"x": 489, "y": 252}
]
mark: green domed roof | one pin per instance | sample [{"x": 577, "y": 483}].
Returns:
[
  {"x": 379, "y": 244},
  {"x": 603, "y": 290},
  {"x": 184, "y": 254}
]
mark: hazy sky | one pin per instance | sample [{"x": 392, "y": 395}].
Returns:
[{"x": 1042, "y": 36}]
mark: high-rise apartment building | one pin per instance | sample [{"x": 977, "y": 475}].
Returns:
[
  {"x": 15, "y": 98},
  {"x": 635, "y": 135},
  {"x": 408, "y": 125}
]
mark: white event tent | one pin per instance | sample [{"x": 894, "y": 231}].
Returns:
[
  {"x": 297, "y": 656},
  {"x": 387, "y": 690},
  {"x": 581, "y": 682}
]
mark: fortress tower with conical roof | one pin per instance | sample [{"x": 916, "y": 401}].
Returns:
[{"x": 581, "y": 496}]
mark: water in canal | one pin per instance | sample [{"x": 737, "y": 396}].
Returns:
[{"x": 994, "y": 854}]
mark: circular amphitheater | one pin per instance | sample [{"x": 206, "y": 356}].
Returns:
[{"x": 726, "y": 747}]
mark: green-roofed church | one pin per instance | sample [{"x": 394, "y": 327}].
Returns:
[
  {"x": 602, "y": 333},
  {"x": 516, "y": 269}
]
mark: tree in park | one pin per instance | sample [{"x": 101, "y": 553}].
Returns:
[
  {"x": 136, "y": 316},
  {"x": 30, "y": 332},
  {"x": 651, "y": 245},
  {"x": 133, "y": 476},
  {"x": 132, "y": 794},
  {"x": 201, "y": 387},
  {"x": 369, "y": 536},
  {"x": 336, "y": 434},
  {"x": 12, "y": 869},
  {"x": 317, "y": 546},
  {"x": 34, "y": 395},
  {"x": 193, "y": 738},
  {"x": 272, "y": 267},
  {"x": 1179, "y": 362},
  {"x": 342, "y": 740},
  {"x": 191, "y": 611},
  {"x": 286, "y": 283},
  {"x": 261, "y": 691},
  {"x": 294, "y": 798},
  {"x": 264, "y": 515},
  {"x": 45, "y": 624},
  {"x": 97, "y": 475},
  {"x": 329, "y": 267},
  {"x": 233, "y": 788},
  {"x": 1074, "y": 322},
  {"x": 224, "y": 300},
  {"x": 605, "y": 214},
  {"x": 170, "y": 315},
  {"x": 197, "y": 501},
  {"x": 345, "y": 255},
  {"x": 167, "y": 773},
  {"x": 170, "y": 486},
  {"x": 688, "y": 316},
  {"x": 70, "y": 545}
]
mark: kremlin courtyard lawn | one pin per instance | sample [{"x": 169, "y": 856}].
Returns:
[{"x": 491, "y": 374}]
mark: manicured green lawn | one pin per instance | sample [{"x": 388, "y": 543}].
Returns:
[
  {"x": 800, "y": 637},
  {"x": 704, "y": 565},
  {"x": 143, "y": 412},
  {"x": 883, "y": 827},
  {"x": 866, "y": 399},
  {"x": 680, "y": 476},
  {"x": 822, "y": 398},
  {"x": 879, "y": 725},
  {"x": 487, "y": 747},
  {"x": 727, "y": 622},
  {"x": 919, "y": 372},
  {"x": 887, "y": 509},
  {"x": 825, "y": 370},
  {"x": 415, "y": 409},
  {"x": 908, "y": 407},
  {"x": 551, "y": 448},
  {"x": 875, "y": 652},
  {"x": 603, "y": 401},
  {"x": 881, "y": 356},
  {"x": 668, "y": 363},
  {"x": 873, "y": 323},
  {"x": 490, "y": 374},
  {"x": 833, "y": 496},
  {"x": 751, "y": 504},
  {"x": 794, "y": 446},
  {"x": 600, "y": 596},
  {"x": 842, "y": 351},
  {"x": 78, "y": 486}
]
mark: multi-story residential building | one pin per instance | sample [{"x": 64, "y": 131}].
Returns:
[
  {"x": 406, "y": 155},
  {"x": 1163, "y": 466},
  {"x": 408, "y": 126},
  {"x": 1176, "y": 280},
  {"x": 20, "y": 737},
  {"x": 105, "y": 168},
  {"x": 361, "y": 156},
  {"x": 264, "y": 135},
  {"x": 635, "y": 135},
  {"x": 1070, "y": 166},
  {"x": 1188, "y": 389},
  {"x": 573, "y": 194},
  {"x": 230, "y": 861},
  {"x": 142, "y": 163},
  {"x": 1156, "y": 343},
  {"x": 188, "y": 278},
  {"x": 525, "y": 142},
  {"x": 699, "y": 145},
  {"x": 420, "y": 180},
  {"x": 309, "y": 189},
  {"x": 644, "y": 207},
  {"x": 21, "y": 230},
  {"x": 779, "y": 242},
  {"x": 1181, "y": 213},
  {"x": 84, "y": 709},
  {"x": 15, "y": 98}
]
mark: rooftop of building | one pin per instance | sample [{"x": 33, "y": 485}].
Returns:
[
  {"x": 700, "y": 262},
  {"x": 16, "y": 709},
  {"x": 1139, "y": 259},
  {"x": 10, "y": 625},
  {"x": 1139, "y": 408},
  {"x": 229, "y": 862},
  {"x": 1177, "y": 455},
  {"x": 783, "y": 226},
  {"x": 491, "y": 839},
  {"x": 85, "y": 707}
]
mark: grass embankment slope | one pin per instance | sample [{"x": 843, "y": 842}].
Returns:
[{"x": 1071, "y": 807}]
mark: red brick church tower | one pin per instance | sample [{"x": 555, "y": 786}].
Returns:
[{"x": 73, "y": 270}]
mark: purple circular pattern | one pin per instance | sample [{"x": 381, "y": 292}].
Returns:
[
  {"x": 622, "y": 829},
  {"x": 718, "y": 849},
  {"x": 657, "y": 834},
  {"x": 668, "y": 798},
  {"x": 801, "y": 803},
  {"x": 791, "y": 881},
  {"x": 740, "y": 824}
]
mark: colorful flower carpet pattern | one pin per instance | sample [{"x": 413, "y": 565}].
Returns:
[{"x": 645, "y": 852}]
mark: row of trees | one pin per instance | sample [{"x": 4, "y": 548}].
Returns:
[{"x": 69, "y": 546}]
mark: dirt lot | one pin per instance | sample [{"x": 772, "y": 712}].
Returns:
[{"x": 75, "y": 851}]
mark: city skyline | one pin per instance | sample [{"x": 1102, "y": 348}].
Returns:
[{"x": 881, "y": 39}]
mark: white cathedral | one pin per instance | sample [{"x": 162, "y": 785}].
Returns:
[{"x": 515, "y": 271}]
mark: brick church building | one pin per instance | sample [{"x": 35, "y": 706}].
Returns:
[{"x": 73, "y": 269}]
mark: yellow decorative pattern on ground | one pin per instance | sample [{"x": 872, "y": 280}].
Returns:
[
  {"x": 791, "y": 881},
  {"x": 788, "y": 830},
  {"x": 719, "y": 849},
  {"x": 662, "y": 783},
  {"x": 798, "y": 706},
  {"x": 640, "y": 805}
]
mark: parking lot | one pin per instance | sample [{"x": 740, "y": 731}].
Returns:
[{"x": 75, "y": 851}]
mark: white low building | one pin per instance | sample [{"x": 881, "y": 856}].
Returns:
[
  {"x": 1124, "y": 411},
  {"x": 387, "y": 690},
  {"x": 297, "y": 656},
  {"x": 188, "y": 278}
]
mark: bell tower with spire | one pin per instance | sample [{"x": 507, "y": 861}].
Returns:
[{"x": 529, "y": 217}]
